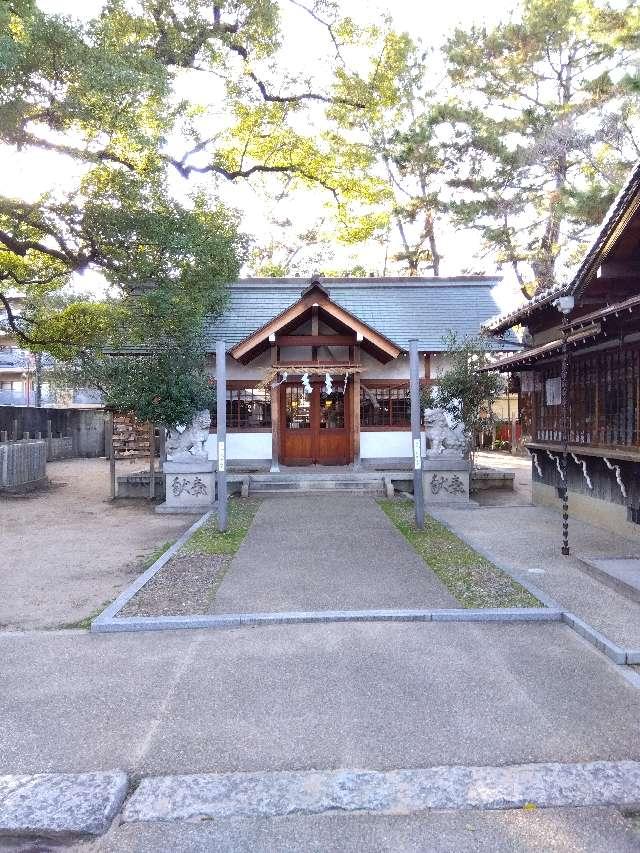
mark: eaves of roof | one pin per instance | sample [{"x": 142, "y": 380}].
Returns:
[{"x": 624, "y": 206}]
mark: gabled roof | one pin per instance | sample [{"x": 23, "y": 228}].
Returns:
[
  {"x": 315, "y": 295},
  {"x": 625, "y": 205},
  {"x": 397, "y": 308}
]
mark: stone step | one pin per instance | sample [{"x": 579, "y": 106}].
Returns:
[{"x": 373, "y": 487}]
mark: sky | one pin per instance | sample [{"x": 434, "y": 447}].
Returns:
[{"x": 29, "y": 173}]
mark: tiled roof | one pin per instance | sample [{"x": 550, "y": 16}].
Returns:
[
  {"x": 614, "y": 218},
  {"x": 398, "y": 308}
]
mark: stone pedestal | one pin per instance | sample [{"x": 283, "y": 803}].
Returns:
[
  {"x": 190, "y": 486},
  {"x": 445, "y": 480}
]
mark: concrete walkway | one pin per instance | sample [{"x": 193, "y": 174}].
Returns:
[
  {"x": 528, "y": 540},
  {"x": 371, "y": 696},
  {"x": 602, "y": 830},
  {"x": 334, "y": 551}
]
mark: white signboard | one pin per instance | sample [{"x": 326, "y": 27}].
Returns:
[
  {"x": 417, "y": 454},
  {"x": 221, "y": 460}
]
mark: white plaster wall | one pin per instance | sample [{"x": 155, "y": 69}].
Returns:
[
  {"x": 398, "y": 368},
  {"x": 254, "y": 371},
  {"x": 439, "y": 364},
  {"x": 242, "y": 445},
  {"x": 388, "y": 444}
]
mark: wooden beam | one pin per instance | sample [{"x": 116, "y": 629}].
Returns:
[
  {"x": 314, "y": 320},
  {"x": 427, "y": 365},
  {"x": 315, "y": 340}
]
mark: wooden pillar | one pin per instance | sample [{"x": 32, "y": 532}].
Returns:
[
  {"x": 112, "y": 457},
  {"x": 355, "y": 419},
  {"x": 275, "y": 427},
  {"x": 152, "y": 461},
  {"x": 162, "y": 445}
]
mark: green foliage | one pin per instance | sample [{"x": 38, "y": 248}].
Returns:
[
  {"x": 209, "y": 540},
  {"x": 165, "y": 384},
  {"x": 473, "y": 580},
  {"x": 461, "y": 390},
  {"x": 543, "y": 125}
]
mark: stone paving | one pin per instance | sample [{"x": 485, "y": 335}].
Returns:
[
  {"x": 374, "y": 695},
  {"x": 527, "y": 540},
  {"x": 588, "y": 830},
  {"x": 333, "y": 551},
  {"x": 419, "y": 727}
]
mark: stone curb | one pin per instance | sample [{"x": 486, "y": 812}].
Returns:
[
  {"x": 117, "y": 605},
  {"x": 60, "y": 804},
  {"x": 591, "y": 567},
  {"x": 618, "y": 654},
  {"x": 271, "y": 794},
  {"x": 237, "y": 620}
]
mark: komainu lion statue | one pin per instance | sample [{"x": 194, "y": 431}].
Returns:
[
  {"x": 187, "y": 444},
  {"x": 442, "y": 438}
]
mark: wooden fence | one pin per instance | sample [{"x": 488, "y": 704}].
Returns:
[{"x": 23, "y": 464}]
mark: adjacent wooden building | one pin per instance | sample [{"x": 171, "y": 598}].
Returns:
[{"x": 603, "y": 382}]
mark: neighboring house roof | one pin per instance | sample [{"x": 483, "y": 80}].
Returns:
[
  {"x": 397, "y": 308},
  {"x": 624, "y": 206}
]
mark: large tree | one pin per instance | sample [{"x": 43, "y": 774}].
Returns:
[
  {"x": 543, "y": 121},
  {"x": 105, "y": 94}
]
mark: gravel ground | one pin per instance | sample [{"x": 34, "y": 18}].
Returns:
[
  {"x": 188, "y": 583},
  {"x": 184, "y": 587},
  {"x": 68, "y": 551}
]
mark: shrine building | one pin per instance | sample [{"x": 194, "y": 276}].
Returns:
[{"x": 318, "y": 370}]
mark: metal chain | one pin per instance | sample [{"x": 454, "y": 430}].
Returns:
[{"x": 564, "y": 425}]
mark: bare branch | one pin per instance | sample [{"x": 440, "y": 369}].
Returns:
[{"x": 324, "y": 23}]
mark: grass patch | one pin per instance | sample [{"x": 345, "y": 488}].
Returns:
[
  {"x": 209, "y": 540},
  {"x": 472, "y": 580},
  {"x": 84, "y": 623},
  {"x": 155, "y": 555}
]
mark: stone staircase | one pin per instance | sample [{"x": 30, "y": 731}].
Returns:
[{"x": 308, "y": 483}]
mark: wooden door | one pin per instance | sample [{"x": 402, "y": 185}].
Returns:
[
  {"x": 315, "y": 427},
  {"x": 332, "y": 432}
]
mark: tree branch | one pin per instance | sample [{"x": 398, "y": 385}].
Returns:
[
  {"x": 326, "y": 24},
  {"x": 186, "y": 169},
  {"x": 33, "y": 141},
  {"x": 14, "y": 324},
  {"x": 21, "y": 247}
]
